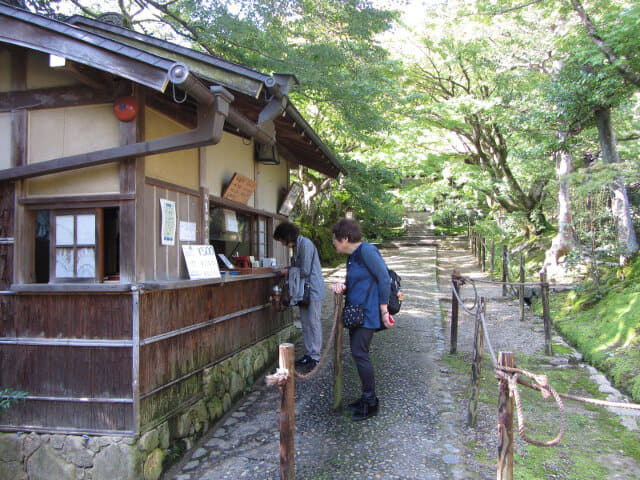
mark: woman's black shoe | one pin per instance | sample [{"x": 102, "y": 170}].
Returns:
[
  {"x": 355, "y": 406},
  {"x": 367, "y": 411}
]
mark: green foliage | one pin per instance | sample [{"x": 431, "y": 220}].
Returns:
[
  {"x": 9, "y": 396},
  {"x": 607, "y": 331}
]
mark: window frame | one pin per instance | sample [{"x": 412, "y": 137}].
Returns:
[{"x": 75, "y": 246}]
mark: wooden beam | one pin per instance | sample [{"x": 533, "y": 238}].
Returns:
[{"x": 57, "y": 97}]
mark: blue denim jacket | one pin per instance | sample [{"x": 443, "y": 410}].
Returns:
[{"x": 359, "y": 279}]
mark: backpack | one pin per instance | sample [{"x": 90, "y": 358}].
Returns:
[{"x": 395, "y": 296}]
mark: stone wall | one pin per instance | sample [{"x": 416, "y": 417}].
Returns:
[{"x": 33, "y": 456}]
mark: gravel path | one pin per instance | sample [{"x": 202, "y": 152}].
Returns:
[
  {"x": 414, "y": 436},
  {"x": 420, "y": 432}
]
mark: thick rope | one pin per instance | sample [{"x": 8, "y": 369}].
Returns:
[{"x": 512, "y": 375}]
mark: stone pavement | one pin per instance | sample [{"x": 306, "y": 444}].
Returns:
[{"x": 414, "y": 435}]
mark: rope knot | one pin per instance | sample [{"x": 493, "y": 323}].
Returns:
[{"x": 278, "y": 378}]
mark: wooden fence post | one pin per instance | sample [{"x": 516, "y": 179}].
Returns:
[
  {"x": 476, "y": 366},
  {"x": 504, "y": 270},
  {"x": 454, "y": 312},
  {"x": 546, "y": 316},
  {"x": 287, "y": 411},
  {"x": 484, "y": 256},
  {"x": 479, "y": 249},
  {"x": 521, "y": 289},
  {"x": 337, "y": 355},
  {"x": 505, "y": 423}
]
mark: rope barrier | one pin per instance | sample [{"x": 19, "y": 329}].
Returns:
[
  {"x": 279, "y": 378},
  {"x": 512, "y": 375}
]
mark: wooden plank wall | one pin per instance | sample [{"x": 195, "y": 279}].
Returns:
[
  {"x": 7, "y": 216},
  {"x": 72, "y": 354},
  {"x": 183, "y": 331},
  {"x": 166, "y": 262}
]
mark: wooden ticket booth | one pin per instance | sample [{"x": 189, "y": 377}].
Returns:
[{"x": 120, "y": 156}]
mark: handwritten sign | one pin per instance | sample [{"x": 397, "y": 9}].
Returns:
[
  {"x": 240, "y": 188},
  {"x": 201, "y": 261}
]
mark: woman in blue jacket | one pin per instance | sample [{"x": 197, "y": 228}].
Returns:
[{"x": 367, "y": 284}]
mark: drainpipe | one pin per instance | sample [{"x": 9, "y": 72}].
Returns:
[
  {"x": 180, "y": 76},
  {"x": 211, "y": 118}
]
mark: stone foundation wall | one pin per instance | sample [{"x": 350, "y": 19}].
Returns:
[{"x": 33, "y": 456}]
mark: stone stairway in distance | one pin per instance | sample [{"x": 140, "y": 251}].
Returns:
[{"x": 418, "y": 229}]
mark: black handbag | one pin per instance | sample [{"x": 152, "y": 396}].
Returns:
[
  {"x": 306, "y": 296},
  {"x": 353, "y": 316}
]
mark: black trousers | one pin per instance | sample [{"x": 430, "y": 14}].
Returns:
[{"x": 359, "y": 340}]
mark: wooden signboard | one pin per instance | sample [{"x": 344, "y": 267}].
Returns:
[
  {"x": 290, "y": 200},
  {"x": 240, "y": 188}
]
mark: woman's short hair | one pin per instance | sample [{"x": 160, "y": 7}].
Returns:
[
  {"x": 286, "y": 232},
  {"x": 347, "y": 228}
]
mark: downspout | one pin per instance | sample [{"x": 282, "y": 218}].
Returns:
[
  {"x": 211, "y": 118},
  {"x": 262, "y": 133}
]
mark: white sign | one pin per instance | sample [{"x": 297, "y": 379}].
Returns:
[
  {"x": 168, "y": 225},
  {"x": 201, "y": 261},
  {"x": 187, "y": 231}
]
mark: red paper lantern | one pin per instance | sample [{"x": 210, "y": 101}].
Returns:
[{"x": 125, "y": 108}]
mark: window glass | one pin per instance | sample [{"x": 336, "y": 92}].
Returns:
[
  {"x": 65, "y": 230},
  {"x": 228, "y": 236}
]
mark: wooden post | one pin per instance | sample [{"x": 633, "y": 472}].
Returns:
[
  {"x": 493, "y": 255},
  {"x": 546, "y": 316},
  {"x": 476, "y": 366},
  {"x": 521, "y": 289},
  {"x": 337, "y": 355},
  {"x": 473, "y": 244},
  {"x": 484, "y": 256},
  {"x": 454, "y": 312},
  {"x": 479, "y": 250},
  {"x": 505, "y": 423},
  {"x": 504, "y": 270},
  {"x": 287, "y": 411}
]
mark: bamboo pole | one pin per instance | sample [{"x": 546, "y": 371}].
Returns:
[
  {"x": 476, "y": 366},
  {"x": 337, "y": 355},
  {"x": 454, "y": 312},
  {"x": 521, "y": 289},
  {"x": 287, "y": 413},
  {"x": 546, "y": 316},
  {"x": 505, "y": 423}
]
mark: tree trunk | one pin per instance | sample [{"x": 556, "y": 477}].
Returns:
[
  {"x": 627, "y": 241},
  {"x": 563, "y": 241}
]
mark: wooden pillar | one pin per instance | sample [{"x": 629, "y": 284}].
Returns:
[
  {"x": 476, "y": 366},
  {"x": 337, "y": 355},
  {"x": 287, "y": 410},
  {"x": 493, "y": 257},
  {"x": 504, "y": 270},
  {"x": 521, "y": 289},
  {"x": 505, "y": 423},
  {"x": 546, "y": 316},
  {"x": 454, "y": 311}
]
